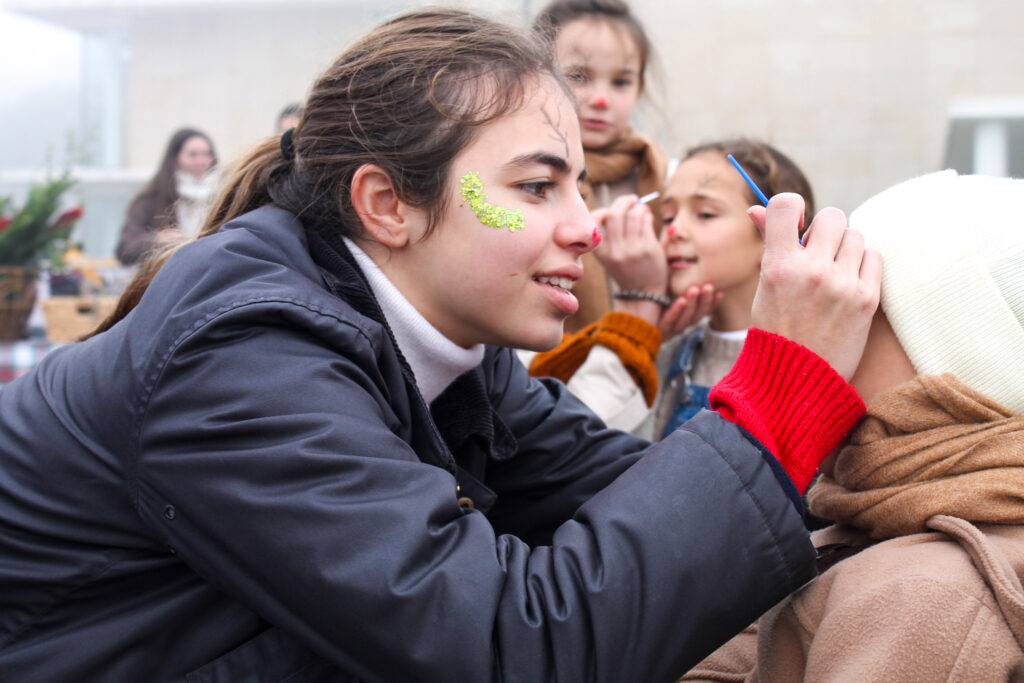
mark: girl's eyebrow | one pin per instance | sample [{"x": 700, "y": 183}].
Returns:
[{"x": 557, "y": 163}]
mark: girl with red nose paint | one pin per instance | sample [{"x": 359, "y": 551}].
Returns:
[{"x": 602, "y": 51}]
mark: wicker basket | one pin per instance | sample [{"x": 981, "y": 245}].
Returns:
[
  {"x": 17, "y": 296},
  {"x": 70, "y": 317}
]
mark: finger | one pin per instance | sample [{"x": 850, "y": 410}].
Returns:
[
  {"x": 635, "y": 219},
  {"x": 782, "y": 218},
  {"x": 826, "y": 232},
  {"x": 758, "y": 215},
  {"x": 705, "y": 302},
  {"x": 676, "y": 317},
  {"x": 850, "y": 254},
  {"x": 871, "y": 270},
  {"x": 648, "y": 224}
]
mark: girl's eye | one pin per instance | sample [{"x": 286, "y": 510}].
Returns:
[
  {"x": 622, "y": 82},
  {"x": 576, "y": 77},
  {"x": 707, "y": 215},
  {"x": 537, "y": 188}
]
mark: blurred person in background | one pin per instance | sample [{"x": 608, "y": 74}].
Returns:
[
  {"x": 173, "y": 204},
  {"x": 289, "y": 117}
]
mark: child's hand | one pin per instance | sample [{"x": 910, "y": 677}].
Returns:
[
  {"x": 688, "y": 309},
  {"x": 631, "y": 253},
  {"x": 822, "y": 294}
]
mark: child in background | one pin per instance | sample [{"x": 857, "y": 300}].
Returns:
[
  {"x": 921, "y": 574},
  {"x": 603, "y": 52},
  {"x": 713, "y": 254}
]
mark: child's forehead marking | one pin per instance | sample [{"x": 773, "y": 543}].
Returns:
[{"x": 710, "y": 178}]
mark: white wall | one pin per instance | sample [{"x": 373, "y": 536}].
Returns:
[{"x": 857, "y": 92}]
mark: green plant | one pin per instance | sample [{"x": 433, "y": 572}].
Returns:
[{"x": 36, "y": 231}]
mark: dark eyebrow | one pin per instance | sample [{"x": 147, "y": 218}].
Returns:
[{"x": 557, "y": 163}]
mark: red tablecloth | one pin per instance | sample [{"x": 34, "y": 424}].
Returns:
[{"x": 17, "y": 358}]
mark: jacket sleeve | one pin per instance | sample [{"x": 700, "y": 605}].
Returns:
[{"x": 269, "y": 462}]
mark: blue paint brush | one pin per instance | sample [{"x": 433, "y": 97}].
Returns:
[{"x": 750, "y": 181}]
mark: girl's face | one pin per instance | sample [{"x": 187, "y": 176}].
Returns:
[
  {"x": 195, "y": 157},
  {"x": 709, "y": 237},
  {"x": 475, "y": 279},
  {"x": 602, "y": 64}
]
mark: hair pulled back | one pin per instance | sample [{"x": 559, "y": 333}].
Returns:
[
  {"x": 407, "y": 97},
  {"x": 773, "y": 171}
]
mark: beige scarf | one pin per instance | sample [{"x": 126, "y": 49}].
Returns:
[
  {"x": 635, "y": 152},
  {"x": 926, "y": 447}
]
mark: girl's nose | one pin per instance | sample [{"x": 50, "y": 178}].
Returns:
[
  {"x": 577, "y": 231},
  {"x": 676, "y": 230},
  {"x": 601, "y": 101}
]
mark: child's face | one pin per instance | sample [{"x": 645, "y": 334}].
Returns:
[
  {"x": 710, "y": 238},
  {"x": 602, "y": 64},
  {"x": 475, "y": 279}
]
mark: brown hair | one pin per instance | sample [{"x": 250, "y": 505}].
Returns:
[
  {"x": 408, "y": 97},
  {"x": 561, "y": 12},
  {"x": 773, "y": 171}
]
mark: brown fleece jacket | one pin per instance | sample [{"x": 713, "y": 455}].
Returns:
[{"x": 937, "y": 470}]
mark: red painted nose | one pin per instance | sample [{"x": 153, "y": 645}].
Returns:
[
  {"x": 597, "y": 237},
  {"x": 601, "y": 102}
]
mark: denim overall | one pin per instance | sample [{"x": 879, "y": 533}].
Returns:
[{"x": 691, "y": 397}]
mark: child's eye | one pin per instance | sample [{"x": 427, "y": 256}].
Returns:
[
  {"x": 537, "y": 188},
  {"x": 576, "y": 76},
  {"x": 707, "y": 215},
  {"x": 622, "y": 82}
]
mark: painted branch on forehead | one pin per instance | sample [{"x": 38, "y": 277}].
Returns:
[{"x": 559, "y": 134}]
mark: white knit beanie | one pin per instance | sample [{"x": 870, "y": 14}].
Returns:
[{"x": 953, "y": 276}]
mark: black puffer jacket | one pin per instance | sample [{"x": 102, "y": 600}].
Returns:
[{"x": 241, "y": 481}]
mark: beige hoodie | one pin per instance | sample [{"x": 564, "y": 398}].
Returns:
[{"x": 938, "y": 471}]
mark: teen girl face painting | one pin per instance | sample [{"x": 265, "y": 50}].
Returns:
[{"x": 479, "y": 280}]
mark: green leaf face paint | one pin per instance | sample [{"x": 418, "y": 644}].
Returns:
[{"x": 472, "y": 189}]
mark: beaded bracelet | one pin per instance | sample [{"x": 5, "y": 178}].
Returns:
[{"x": 641, "y": 295}]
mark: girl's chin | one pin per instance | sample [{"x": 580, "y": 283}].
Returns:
[{"x": 541, "y": 341}]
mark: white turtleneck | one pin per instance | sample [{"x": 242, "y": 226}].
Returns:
[{"x": 435, "y": 359}]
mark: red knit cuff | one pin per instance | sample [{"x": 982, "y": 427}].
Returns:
[{"x": 790, "y": 399}]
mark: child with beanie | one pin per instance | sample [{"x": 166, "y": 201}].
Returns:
[{"x": 920, "y": 577}]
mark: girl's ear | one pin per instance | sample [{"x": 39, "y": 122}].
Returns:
[{"x": 386, "y": 218}]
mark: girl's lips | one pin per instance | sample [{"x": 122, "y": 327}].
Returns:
[
  {"x": 595, "y": 124},
  {"x": 680, "y": 263},
  {"x": 562, "y": 299}
]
